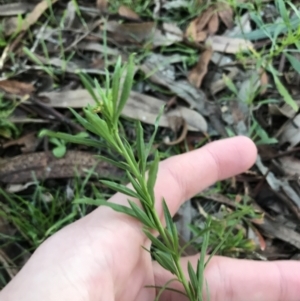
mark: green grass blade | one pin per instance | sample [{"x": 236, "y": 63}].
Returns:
[
  {"x": 141, "y": 215},
  {"x": 141, "y": 147},
  {"x": 127, "y": 86},
  {"x": 164, "y": 259},
  {"x": 193, "y": 277},
  {"x": 120, "y": 188},
  {"x": 201, "y": 262},
  {"x": 116, "y": 83},
  {"x": 120, "y": 165},
  {"x": 72, "y": 139},
  {"x": 136, "y": 186},
  {"x": 293, "y": 61},
  {"x": 156, "y": 242},
  {"x": 169, "y": 222},
  {"x": 284, "y": 93},
  {"x": 88, "y": 84},
  {"x": 99, "y": 202}
]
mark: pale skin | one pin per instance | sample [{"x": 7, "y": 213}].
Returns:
[{"x": 99, "y": 258}]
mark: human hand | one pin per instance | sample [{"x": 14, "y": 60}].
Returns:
[{"x": 99, "y": 258}]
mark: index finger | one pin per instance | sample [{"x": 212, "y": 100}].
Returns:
[{"x": 181, "y": 177}]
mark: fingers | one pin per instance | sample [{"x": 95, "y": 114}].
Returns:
[
  {"x": 183, "y": 176},
  {"x": 242, "y": 280}
]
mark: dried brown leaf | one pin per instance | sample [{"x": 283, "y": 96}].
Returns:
[
  {"x": 169, "y": 35},
  {"x": 281, "y": 232},
  {"x": 14, "y": 9},
  {"x": 33, "y": 16},
  {"x": 225, "y": 13},
  {"x": 258, "y": 238},
  {"x": 213, "y": 24},
  {"x": 126, "y": 12},
  {"x": 139, "y": 106},
  {"x": 264, "y": 82},
  {"x": 204, "y": 18},
  {"x": 29, "y": 142},
  {"x": 138, "y": 33},
  {"x": 16, "y": 87},
  {"x": 199, "y": 71},
  {"x": 193, "y": 96},
  {"x": 198, "y": 24},
  {"x": 201, "y": 36},
  {"x": 284, "y": 110},
  {"x": 176, "y": 123},
  {"x": 102, "y": 5},
  {"x": 228, "y": 45}
]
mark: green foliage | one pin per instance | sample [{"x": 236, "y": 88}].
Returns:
[
  {"x": 7, "y": 128},
  {"x": 35, "y": 219},
  {"x": 284, "y": 35},
  {"x": 103, "y": 121},
  {"x": 227, "y": 235}
]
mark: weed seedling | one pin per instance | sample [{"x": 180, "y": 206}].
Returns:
[{"x": 103, "y": 121}]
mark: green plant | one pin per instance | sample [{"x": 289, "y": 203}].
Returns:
[
  {"x": 110, "y": 103},
  {"x": 7, "y": 128},
  {"x": 284, "y": 35},
  {"x": 60, "y": 147},
  {"x": 230, "y": 224}
]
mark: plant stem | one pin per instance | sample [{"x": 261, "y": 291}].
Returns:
[{"x": 154, "y": 214}]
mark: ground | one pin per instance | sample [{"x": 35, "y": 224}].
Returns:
[{"x": 221, "y": 68}]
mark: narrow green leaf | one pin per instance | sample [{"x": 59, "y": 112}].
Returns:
[
  {"x": 129, "y": 151},
  {"x": 120, "y": 165},
  {"x": 127, "y": 85},
  {"x": 141, "y": 147},
  {"x": 88, "y": 84},
  {"x": 141, "y": 215},
  {"x": 170, "y": 226},
  {"x": 230, "y": 85},
  {"x": 101, "y": 92},
  {"x": 120, "y": 188},
  {"x": 72, "y": 138},
  {"x": 136, "y": 186},
  {"x": 201, "y": 261},
  {"x": 282, "y": 90},
  {"x": 167, "y": 215},
  {"x": 107, "y": 81},
  {"x": 99, "y": 126},
  {"x": 32, "y": 56},
  {"x": 164, "y": 259},
  {"x": 152, "y": 175},
  {"x": 283, "y": 11},
  {"x": 156, "y": 242},
  {"x": 156, "y": 124},
  {"x": 84, "y": 122},
  {"x": 293, "y": 61},
  {"x": 116, "y": 83},
  {"x": 193, "y": 277},
  {"x": 99, "y": 202}
]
